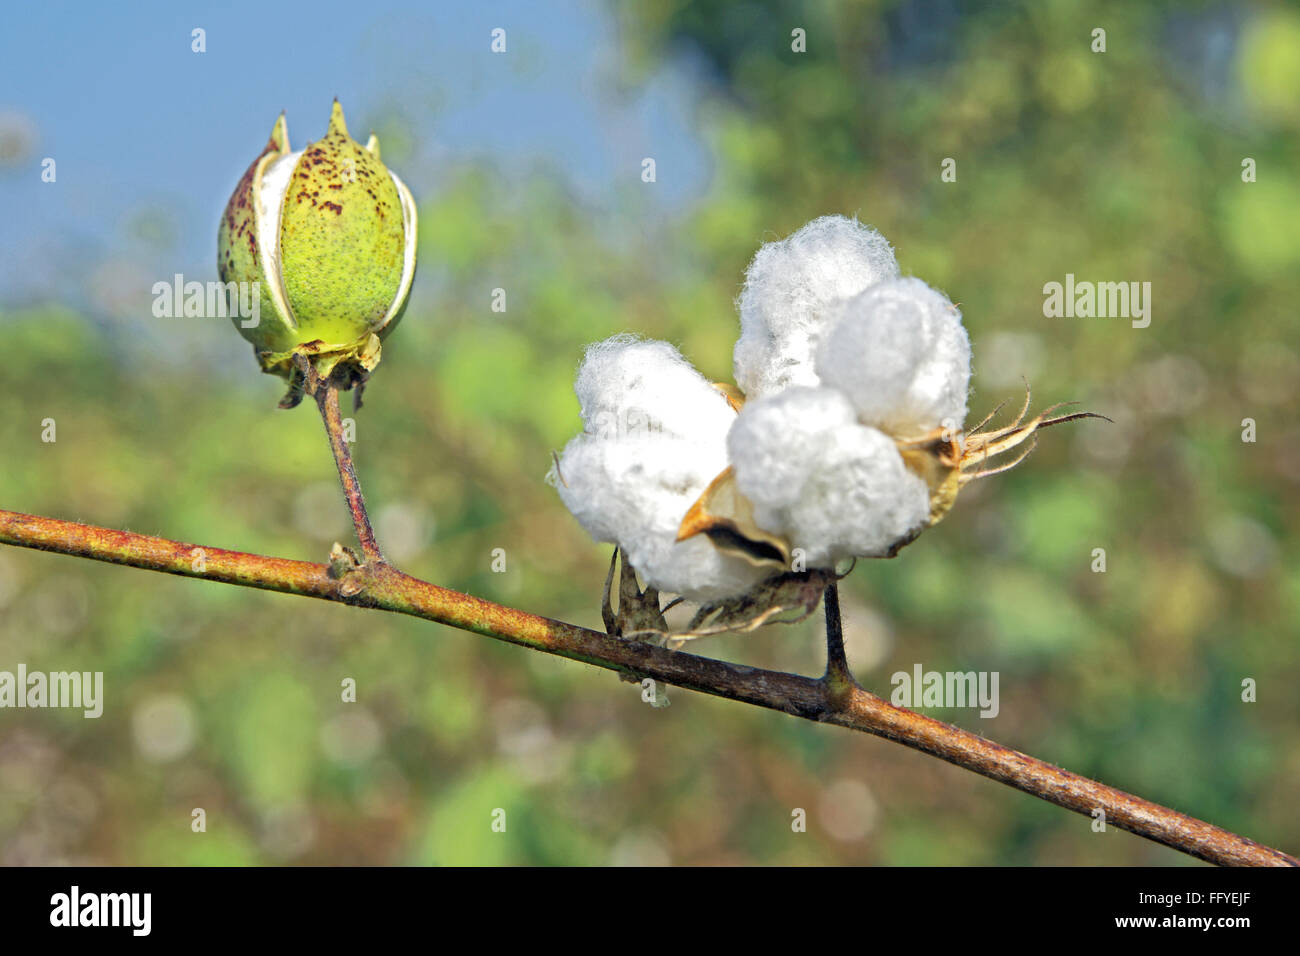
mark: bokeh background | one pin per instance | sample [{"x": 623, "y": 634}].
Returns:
[{"x": 1116, "y": 166}]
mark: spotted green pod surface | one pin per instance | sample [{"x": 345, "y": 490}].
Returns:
[
  {"x": 329, "y": 235},
  {"x": 240, "y": 255}
]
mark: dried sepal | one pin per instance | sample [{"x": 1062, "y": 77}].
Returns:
[
  {"x": 638, "y": 616},
  {"x": 949, "y": 460},
  {"x": 732, "y": 393},
  {"x": 783, "y": 599},
  {"x": 936, "y": 459},
  {"x": 726, "y": 517}
]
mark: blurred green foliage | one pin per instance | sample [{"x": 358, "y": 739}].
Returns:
[{"x": 1117, "y": 166}]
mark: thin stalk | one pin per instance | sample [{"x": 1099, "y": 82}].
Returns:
[
  {"x": 326, "y": 394},
  {"x": 838, "y": 676}
]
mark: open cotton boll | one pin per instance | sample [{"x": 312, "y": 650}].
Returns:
[
  {"x": 655, "y": 438},
  {"x": 628, "y": 386},
  {"x": 790, "y": 288},
  {"x": 899, "y": 352},
  {"x": 634, "y": 492},
  {"x": 820, "y": 479}
]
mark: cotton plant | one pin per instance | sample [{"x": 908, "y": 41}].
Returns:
[{"x": 842, "y": 439}]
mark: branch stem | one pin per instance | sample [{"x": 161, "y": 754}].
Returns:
[{"x": 386, "y": 588}]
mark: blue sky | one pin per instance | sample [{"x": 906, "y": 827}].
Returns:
[{"x": 149, "y": 137}]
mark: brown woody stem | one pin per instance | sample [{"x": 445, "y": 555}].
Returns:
[
  {"x": 386, "y": 588},
  {"x": 326, "y": 394}
]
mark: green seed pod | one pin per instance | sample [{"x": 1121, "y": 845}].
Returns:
[{"x": 328, "y": 235}]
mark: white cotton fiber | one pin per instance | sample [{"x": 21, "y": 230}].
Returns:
[
  {"x": 899, "y": 352},
  {"x": 820, "y": 479},
  {"x": 629, "y": 386},
  {"x": 790, "y": 289},
  {"x": 655, "y": 438},
  {"x": 634, "y": 492}
]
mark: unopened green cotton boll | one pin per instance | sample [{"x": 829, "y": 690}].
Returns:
[{"x": 328, "y": 234}]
